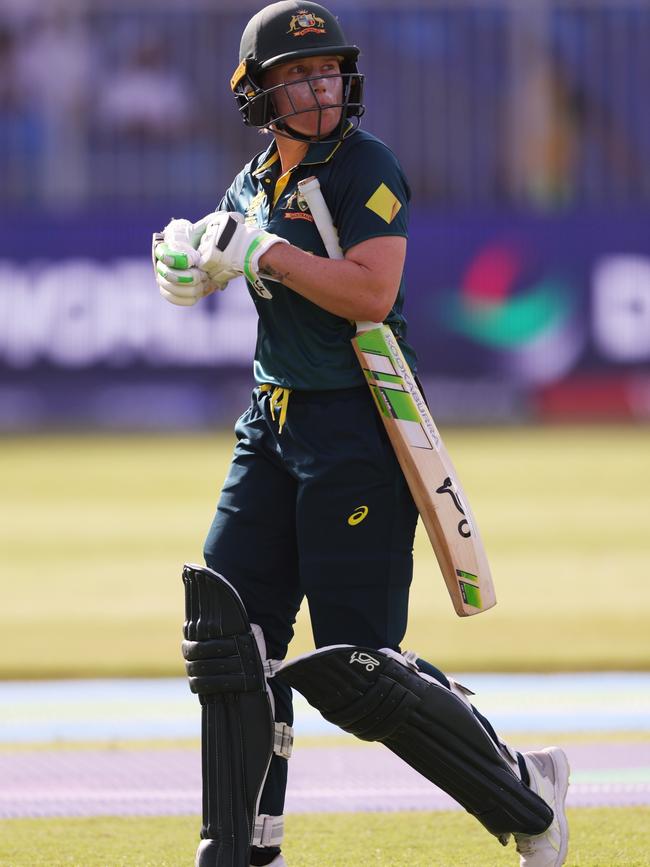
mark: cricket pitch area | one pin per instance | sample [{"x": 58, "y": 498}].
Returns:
[{"x": 93, "y": 542}]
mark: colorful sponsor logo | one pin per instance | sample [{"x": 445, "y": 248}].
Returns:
[
  {"x": 523, "y": 315},
  {"x": 493, "y": 307}
]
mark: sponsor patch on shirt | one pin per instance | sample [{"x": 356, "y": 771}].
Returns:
[{"x": 384, "y": 203}]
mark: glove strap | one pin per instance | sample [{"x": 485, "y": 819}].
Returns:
[{"x": 249, "y": 271}]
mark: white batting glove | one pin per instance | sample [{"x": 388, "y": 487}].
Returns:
[
  {"x": 228, "y": 243},
  {"x": 175, "y": 259}
]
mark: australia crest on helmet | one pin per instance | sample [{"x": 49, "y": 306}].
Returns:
[{"x": 304, "y": 22}]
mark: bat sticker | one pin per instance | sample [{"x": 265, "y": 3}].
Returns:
[{"x": 464, "y": 529}]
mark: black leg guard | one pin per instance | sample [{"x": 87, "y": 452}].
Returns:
[
  {"x": 377, "y": 696},
  {"x": 225, "y": 669}
]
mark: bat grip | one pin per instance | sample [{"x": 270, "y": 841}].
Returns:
[
  {"x": 198, "y": 229},
  {"x": 310, "y": 189}
]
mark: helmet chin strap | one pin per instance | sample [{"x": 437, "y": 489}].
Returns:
[{"x": 283, "y": 128}]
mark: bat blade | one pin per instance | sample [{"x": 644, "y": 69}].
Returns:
[{"x": 428, "y": 469}]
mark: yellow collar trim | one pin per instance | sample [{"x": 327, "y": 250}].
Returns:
[
  {"x": 281, "y": 185},
  {"x": 268, "y": 162}
]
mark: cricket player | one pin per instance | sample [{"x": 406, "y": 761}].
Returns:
[{"x": 315, "y": 504}]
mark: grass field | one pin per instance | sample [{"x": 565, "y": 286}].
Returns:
[
  {"x": 600, "y": 838},
  {"x": 95, "y": 530}
]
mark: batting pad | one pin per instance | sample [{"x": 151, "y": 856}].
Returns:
[
  {"x": 377, "y": 697},
  {"x": 226, "y": 671}
]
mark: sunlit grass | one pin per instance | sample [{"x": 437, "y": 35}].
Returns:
[
  {"x": 599, "y": 838},
  {"x": 95, "y": 530}
]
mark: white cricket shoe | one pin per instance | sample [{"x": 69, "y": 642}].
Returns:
[{"x": 549, "y": 778}]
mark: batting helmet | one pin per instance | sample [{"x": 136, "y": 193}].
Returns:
[{"x": 290, "y": 30}]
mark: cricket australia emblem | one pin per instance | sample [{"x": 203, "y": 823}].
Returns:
[
  {"x": 296, "y": 208},
  {"x": 365, "y": 659},
  {"x": 304, "y": 22}
]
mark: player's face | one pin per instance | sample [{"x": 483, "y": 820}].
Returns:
[{"x": 310, "y": 98}]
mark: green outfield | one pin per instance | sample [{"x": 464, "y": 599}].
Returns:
[
  {"x": 95, "y": 529},
  {"x": 600, "y": 838}
]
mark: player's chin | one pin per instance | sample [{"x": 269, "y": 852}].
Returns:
[{"x": 323, "y": 123}]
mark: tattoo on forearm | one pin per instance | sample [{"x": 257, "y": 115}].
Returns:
[{"x": 270, "y": 271}]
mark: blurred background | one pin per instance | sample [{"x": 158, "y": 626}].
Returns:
[{"x": 523, "y": 129}]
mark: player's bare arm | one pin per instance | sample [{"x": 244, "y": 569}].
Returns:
[{"x": 362, "y": 286}]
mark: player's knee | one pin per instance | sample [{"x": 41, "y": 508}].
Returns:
[{"x": 219, "y": 649}]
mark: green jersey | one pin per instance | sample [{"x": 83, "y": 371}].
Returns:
[{"x": 300, "y": 345}]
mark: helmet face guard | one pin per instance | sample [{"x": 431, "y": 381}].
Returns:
[
  {"x": 258, "y": 108},
  {"x": 287, "y": 31}
]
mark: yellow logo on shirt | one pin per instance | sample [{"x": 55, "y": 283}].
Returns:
[
  {"x": 384, "y": 203},
  {"x": 253, "y": 208},
  {"x": 358, "y": 515}
]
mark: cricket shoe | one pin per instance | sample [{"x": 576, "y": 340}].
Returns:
[{"x": 549, "y": 778}]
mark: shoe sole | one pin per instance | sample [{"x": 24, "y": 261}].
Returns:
[{"x": 562, "y": 773}]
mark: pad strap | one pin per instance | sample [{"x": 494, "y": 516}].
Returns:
[
  {"x": 283, "y": 740},
  {"x": 271, "y": 666},
  {"x": 268, "y": 831}
]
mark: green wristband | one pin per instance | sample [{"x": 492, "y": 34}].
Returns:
[{"x": 251, "y": 276}]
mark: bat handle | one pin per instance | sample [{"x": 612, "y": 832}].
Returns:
[
  {"x": 198, "y": 229},
  {"x": 310, "y": 189}
]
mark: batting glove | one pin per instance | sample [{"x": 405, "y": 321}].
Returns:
[
  {"x": 228, "y": 243},
  {"x": 179, "y": 278}
]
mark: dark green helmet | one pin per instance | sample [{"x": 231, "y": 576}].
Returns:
[{"x": 286, "y": 31}]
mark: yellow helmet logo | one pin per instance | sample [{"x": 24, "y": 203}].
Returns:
[{"x": 358, "y": 515}]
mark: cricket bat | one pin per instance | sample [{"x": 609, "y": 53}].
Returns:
[{"x": 419, "y": 448}]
